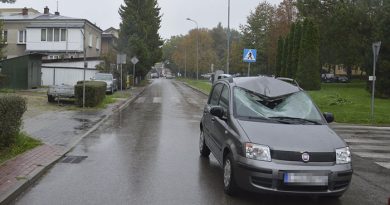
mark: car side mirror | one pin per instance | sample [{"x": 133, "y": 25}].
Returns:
[
  {"x": 329, "y": 117},
  {"x": 217, "y": 111}
]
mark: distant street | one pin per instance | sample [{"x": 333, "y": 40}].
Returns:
[{"x": 148, "y": 154}]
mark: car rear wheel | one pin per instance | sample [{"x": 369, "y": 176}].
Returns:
[
  {"x": 204, "y": 150},
  {"x": 229, "y": 182}
]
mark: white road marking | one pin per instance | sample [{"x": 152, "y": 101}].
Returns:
[
  {"x": 140, "y": 100},
  {"x": 157, "y": 100},
  {"x": 367, "y": 141},
  {"x": 384, "y": 164},
  {"x": 370, "y": 147},
  {"x": 192, "y": 101},
  {"x": 373, "y": 155}
]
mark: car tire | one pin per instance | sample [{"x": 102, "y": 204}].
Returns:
[
  {"x": 50, "y": 98},
  {"x": 203, "y": 149},
  {"x": 229, "y": 181}
]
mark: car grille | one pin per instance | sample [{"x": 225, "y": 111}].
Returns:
[{"x": 297, "y": 156}]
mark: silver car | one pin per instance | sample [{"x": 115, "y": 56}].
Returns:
[
  {"x": 269, "y": 136},
  {"x": 109, "y": 79}
]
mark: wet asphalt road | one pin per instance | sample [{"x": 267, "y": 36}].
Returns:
[{"x": 148, "y": 154}]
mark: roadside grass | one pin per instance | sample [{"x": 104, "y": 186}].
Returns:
[
  {"x": 203, "y": 85},
  {"x": 109, "y": 99},
  {"x": 23, "y": 143},
  {"x": 7, "y": 90},
  {"x": 349, "y": 102}
]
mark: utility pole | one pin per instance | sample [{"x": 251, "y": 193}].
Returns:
[{"x": 228, "y": 41}]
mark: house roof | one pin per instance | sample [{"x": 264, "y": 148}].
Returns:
[{"x": 35, "y": 16}]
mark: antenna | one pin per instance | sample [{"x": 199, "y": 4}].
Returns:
[{"x": 57, "y": 5}]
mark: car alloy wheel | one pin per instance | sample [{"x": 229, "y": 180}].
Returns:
[{"x": 229, "y": 182}]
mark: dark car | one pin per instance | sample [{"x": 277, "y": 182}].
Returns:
[{"x": 269, "y": 136}]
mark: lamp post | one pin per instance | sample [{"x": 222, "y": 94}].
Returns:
[
  {"x": 228, "y": 41},
  {"x": 197, "y": 47}
]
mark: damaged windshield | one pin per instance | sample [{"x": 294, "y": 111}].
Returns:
[{"x": 293, "y": 108}]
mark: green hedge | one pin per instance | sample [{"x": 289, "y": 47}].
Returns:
[
  {"x": 95, "y": 92},
  {"x": 11, "y": 112},
  {"x": 3, "y": 79}
]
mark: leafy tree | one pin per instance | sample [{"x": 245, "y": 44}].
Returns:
[
  {"x": 2, "y": 44},
  {"x": 283, "y": 72},
  {"x": 308, "y": 74},
  {"x": 139, "y": 35},
  {"x": 290, "y": 49},
  {"x": 295, "y": 52},
  {"x": 279, "y": 57},
  {"x": 220, "y": 45}
]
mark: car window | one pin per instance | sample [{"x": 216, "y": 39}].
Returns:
[
  {"x": 224, "y": 100},
  {"x": 216, "y": 94}
]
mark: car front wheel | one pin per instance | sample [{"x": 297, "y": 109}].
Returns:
[
  {"x": 204, "y": 150},
  {"x": 229, "y": 182}
]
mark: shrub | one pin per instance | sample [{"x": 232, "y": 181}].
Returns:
[
  {"x": 3, "y": 79},
  {"x": 11, "y": 111},
  {"x": 95, "y": 92}
]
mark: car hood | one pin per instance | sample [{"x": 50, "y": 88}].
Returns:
[
  {"x": 109, "y": 82},
  {"x": 292, "y": 137}
]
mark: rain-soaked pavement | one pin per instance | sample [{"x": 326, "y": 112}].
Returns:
[{"x": 148, "y": 154}]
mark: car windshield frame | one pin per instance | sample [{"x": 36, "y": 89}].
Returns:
[{"x": 282, "y": 116}]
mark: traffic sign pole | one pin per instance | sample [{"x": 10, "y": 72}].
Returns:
[
  {"x": 375, "y": 48},
  {"x": 249, "y": 69}
]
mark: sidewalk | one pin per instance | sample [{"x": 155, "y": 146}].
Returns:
[{"x": 60, "y": 132}]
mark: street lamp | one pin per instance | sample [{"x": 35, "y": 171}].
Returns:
[
  {"x": 197, "y": 47},
  {"x": 228, "y": 41}
]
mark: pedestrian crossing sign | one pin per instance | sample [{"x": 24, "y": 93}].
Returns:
[{"x": 250, "y": 55}]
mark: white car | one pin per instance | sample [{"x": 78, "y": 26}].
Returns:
[{"x": 109, "y": 79}]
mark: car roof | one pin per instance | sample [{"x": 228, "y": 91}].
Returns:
[{"x": 266, "y": 86}]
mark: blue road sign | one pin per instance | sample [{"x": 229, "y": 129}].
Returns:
[{"x": 250, "y": 55}]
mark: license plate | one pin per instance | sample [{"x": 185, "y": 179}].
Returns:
[{"x": 315, "y": 179}]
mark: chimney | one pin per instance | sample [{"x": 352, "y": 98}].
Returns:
[
  {"x": 46, "y": 10},
  {"x": 57, "y": 13},
  {"x": 25, "y": 11}
]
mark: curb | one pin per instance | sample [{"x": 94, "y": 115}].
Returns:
[
  {"x": 22, "y": 186},
  {"x": 349, "y": 127}
]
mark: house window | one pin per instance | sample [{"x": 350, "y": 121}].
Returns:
[
  {"x": 63, "y": 34},
  {"x": 50, "y": 34},
  {"x": 22, "y": 36},
  {"x": 56, "y": 34},
  {"x": 90, "y": 40},
  {"x": 43, "y": 34},
  {"x": 97, "y": 43}
]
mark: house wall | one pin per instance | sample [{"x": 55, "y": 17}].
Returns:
[
  {"x": 74, "y": 41},
  {"x": 13, "y": 48}
]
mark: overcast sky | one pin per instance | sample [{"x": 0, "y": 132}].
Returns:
[{"x": 105, "y": 12}]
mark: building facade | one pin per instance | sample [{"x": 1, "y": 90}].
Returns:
[{"x": 58, "y": 37}]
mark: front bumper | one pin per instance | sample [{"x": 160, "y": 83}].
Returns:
[{"x": 259, "y": 176}]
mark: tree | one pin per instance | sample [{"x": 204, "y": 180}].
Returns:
[
  {"x": 308, "y": 75},
  {"x": 279, "y": 57},
  {"x": 2, "y": 43},
  {"x": 290, "y": 49},
  {"x": 139, "y": 35},
  {"x": 8, "y": 1},
  {"x": 296, "y": 47},
  {"x": 283, "y": 71}
]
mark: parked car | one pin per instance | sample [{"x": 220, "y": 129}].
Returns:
[
  {"x": 342, "y": 79},
  {"x": 154, "y": 75},
  {"x": 109, "y": 79},
  {"x": 269, "y": 136},
  {"x": 55, "y": 92},
  {"x": 328, "y": 78}
]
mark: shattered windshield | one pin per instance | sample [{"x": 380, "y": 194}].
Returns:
[{"x": 295, "y": 107}]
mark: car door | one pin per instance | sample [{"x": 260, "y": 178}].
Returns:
[
  {"x": 209, "y": 119},
  {"x": 220, "y": 131}
]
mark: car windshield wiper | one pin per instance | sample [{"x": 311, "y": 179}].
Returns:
[
  {"x": 265, "y": 119},
  {"x": 281, "y": 118}
]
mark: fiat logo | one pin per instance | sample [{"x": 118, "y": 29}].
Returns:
[{"x": 305, "y": 157}]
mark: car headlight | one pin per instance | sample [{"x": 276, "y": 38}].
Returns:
[
  {"x": 257, "y": 152},
  {"x": 343, "y": 155}
]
